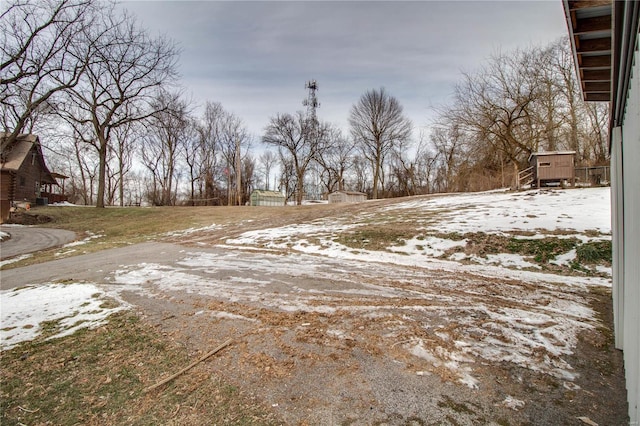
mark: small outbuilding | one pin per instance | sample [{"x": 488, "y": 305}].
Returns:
[
  {"x": 266, "y": 198},
  {"x": 347, "y": 197},
  {"x": 24, "y": 175},
  {"x": 553, "y": 167}
]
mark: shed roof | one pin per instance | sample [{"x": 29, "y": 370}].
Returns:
[{"x": 547, "y": 153}]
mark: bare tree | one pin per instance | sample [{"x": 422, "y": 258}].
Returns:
[
  {"x": 123, "y": 152},
  {"x": 518, "y": 103},
  {"x": 335, "y": 160},
  {"x": 234, "y": 144},
  {"x": 360, "y": 177},
  {"x": 203, "y": 156},
  {"x": 124, "y": 70},
  {"x": 404, "y": 170},
  {"x": 267, "y": 161},
  {"x": 42, "y": 46},
  {"x": 426, "y": 160},
  {"x": 377, "y": 124},
  {"x": 169, "y": 131},
  {"x": 248, "y": 177},
  {"x": 299, "y": 140}
]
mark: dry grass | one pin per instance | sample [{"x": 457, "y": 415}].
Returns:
[
  {"x": 98, "y": 376},
  {"x": 120, "y": 226}
]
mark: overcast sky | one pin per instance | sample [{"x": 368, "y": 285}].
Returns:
[{"x": 255, "y": 57}]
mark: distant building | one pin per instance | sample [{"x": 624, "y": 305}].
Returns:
[
  {"x": 347, "y": 197},
  {"x": 605, "y": 42},
  {"x": 266, "y": 198},
  {"x": 24, "y": 175},
  {"x": 553, "y": 167}
]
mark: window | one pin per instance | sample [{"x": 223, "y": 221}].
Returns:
[
  {"x": 546, "y": 164},
  {"x": 23, "y": 181}
]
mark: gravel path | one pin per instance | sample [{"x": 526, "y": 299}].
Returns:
[
  {"x": 25, "y": 239},
  {"x": 334, "y": 341}
]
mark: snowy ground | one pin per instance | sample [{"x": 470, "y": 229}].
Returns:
[
  {"x": 27, "y": 312},
  {"x": 582, "y": 214},
  {"x": 451, "y": 313}
]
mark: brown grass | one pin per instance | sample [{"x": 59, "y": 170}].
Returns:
[{"x": 98, "y": 376}]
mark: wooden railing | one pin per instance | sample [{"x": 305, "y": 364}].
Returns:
[{"x": 525, "y": 177}]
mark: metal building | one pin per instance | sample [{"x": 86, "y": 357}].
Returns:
[
  {"x": 604, "y": 38},
  {"x": 266, "y": 198},
  {"x": 347, "y": 197}
]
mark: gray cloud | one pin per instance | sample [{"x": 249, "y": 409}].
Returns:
[{"x": 254, "y": 57}]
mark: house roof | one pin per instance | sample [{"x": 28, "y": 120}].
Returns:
[
  {"x": 13, "y": 155},
  {"x": 590, "y": 24}
]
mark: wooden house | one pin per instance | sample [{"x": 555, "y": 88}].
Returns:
[
  {"x": 266, "y": 198},
  {"x": 347, "y": 197},
  {"x": 605, "y": 44},
  {"x": 553, "y": 167},
  {"x": 24, "y": 175}
]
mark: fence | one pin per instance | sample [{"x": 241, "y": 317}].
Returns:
[{"x": 593, "y": 176}]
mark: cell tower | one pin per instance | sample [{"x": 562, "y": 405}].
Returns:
[{"x": 312, "y": 101}]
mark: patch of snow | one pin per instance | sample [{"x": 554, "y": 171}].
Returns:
[
  {"x": 229, "y": 315},
  {"x": 15, "y": 259},
  {"x": 505, "y": 259},
  {"x": 458, "y": 256},
  {"x": 564, "y": 259},
  {"x": 513, "y": 403},
  {"x": 582, "y": 210},
  {"x": 340, "y": 334},
  {"x": 73, "y": 307},
  {"x": 430, "y": 246},
  {"x": 188, "y": 231},
  {"x": 91, "y": 236},
  {"x": 604, "y": 269},
  {"x": 66, "y": 204}
]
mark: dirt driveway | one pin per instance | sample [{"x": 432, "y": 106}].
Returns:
[
  {"x": 26, "y": 239},
  {"x": 335, "y": 341}
]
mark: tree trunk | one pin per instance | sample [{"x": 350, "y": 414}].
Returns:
[
  {"x": 300, "y": 191},
  {"x": 376, "y": 179},
  {"x": 102, "y": 169}
]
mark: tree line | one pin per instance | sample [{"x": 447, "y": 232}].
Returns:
[{"x": 106, "y": 94}]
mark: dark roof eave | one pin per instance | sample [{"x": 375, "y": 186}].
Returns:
[{"x": 590, "y": 25}]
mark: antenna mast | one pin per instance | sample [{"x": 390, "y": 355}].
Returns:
[{"x": 312, "y": 101}]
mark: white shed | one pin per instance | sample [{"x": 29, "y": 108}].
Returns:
[{"x": 347, "y": 197}]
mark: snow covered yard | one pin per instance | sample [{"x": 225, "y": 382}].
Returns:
[
  {"x": 468, "y": 289},
  {"x": 431, "y": 231}
]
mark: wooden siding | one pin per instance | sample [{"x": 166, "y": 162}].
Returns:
[
  {"x": 28, "y": 178},
  {"x": 553, "y": 167},
  {"x": 6, "y": 194}
]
